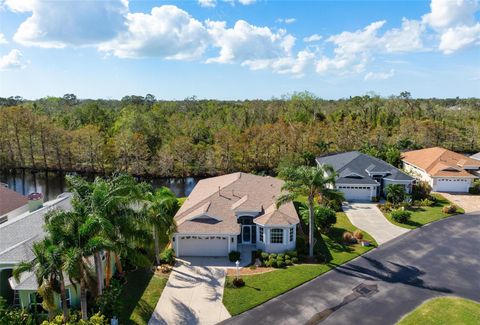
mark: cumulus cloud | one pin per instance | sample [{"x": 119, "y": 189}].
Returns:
[
  {"x": 12, "y": 60},
  {"x": 68, "y": 22},
  {"x": 248, "y": 42},
  {"x": 379, "y": 75},
  {"x": 408, "y": 38},
  {"x": 167, "y": 32},
  {"x": 3, "y": 39},
  {"x": 456, "y": 38},
  {"x": 312, "y": 38},
  {"x": 293, "y": 65}
]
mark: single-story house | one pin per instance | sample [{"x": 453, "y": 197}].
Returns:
[
  {"x": 444, "y": 170},
  {"x": 17, "y": 236},
  {"x": 222, "y": 213},
  {"x": 362, "y": 177}
]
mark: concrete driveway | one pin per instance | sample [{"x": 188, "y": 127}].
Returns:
[
  {"x": 369, "y": 218},
  {"x": 193, "y": 295},
  {"x": 383, "y": 285},
  {"x": 468, "y": 202}
]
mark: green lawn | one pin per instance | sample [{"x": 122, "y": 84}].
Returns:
[
  {"x": 444, "y": 311},
  {"x": 140, "y": 296},
  {"x": 263, "y": 287},
  {"x": 424, "y": 215}
]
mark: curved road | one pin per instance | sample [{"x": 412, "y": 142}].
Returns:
[{"x": 380, "y": 287}]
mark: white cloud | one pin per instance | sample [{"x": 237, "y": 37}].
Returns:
[
  {"x": 12, "y": 60},
  {"x": 287, "y": 21},
  {"x": 312, "y": 38},
  {"x": 167, "y": 32},
  {"x": 3, "y": 39},
  {"x": 248, "y": 42},
  {"x": 405, "y": 39},
  {"x": 456, "y": 38},
  {"x": 379, "y": 75},
  {"x": 446, "y": 13},
  {"x": 68, "y": 22},
  {"x": 207, "y": 3},
  {"x": 247, "y": 2},
  {"x": 293, "y": 65}
]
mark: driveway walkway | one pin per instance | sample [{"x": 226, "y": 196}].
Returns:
[
  {"x": 468, "y": 202},
  {"x": 369, "y": 218},
  {"x": 193, "y": 295},
  {"x": 383, "y": 285}
]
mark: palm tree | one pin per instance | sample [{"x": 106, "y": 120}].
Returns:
[
  {"x": 161, "y": 207},
  {"x": 47, "y": 266},
  {"x": 312, "y": 182}
]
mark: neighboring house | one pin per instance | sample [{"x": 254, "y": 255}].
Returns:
[
  {"x": 222, "y": 213},
  {"x": 476, "y": 156},
  {"x": 12, "y": 204},
  {"x": 362, "y": 177},
  {"x": 444, "y": 170},
  {"x": 17, "y": 236}
]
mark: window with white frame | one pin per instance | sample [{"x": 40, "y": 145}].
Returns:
[
  {"x": 260, "y": 233},
  {"x": 276, "y": 236},
  {"x": 291, "y": 234},
  {"x": 68, "y": 298}
]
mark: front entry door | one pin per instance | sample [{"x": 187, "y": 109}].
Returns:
[{"x": 246, "y": 234}]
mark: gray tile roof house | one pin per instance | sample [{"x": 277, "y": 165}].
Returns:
[
  {"x": 222, "y": 213},
  {"x": 362, "y": 177}
]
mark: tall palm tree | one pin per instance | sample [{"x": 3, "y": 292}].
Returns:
[
  {"x": 78, "y": 244},
  {"x": 161, "y": 207},
  {"x": 312, "y": 182},
  {"x": 47, "y": 266}
]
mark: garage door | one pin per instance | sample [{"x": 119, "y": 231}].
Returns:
[
  {"x": 202, "y": 246},
  {"x": 356, "y": 193},
  {"x": 452, "y": 185}
]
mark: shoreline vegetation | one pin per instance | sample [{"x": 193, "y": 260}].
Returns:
[{"x": 146, "y": 137}]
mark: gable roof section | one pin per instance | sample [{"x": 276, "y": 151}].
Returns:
[
  {"x": 439, "y": 161},
  {"x": 10, "y": 200},
  {"x": 354, "y": 162},
  {"x": 475, "y": 156},
  {"x": 238, "y": 192}
]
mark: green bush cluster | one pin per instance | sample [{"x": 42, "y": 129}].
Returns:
[
  {"x": 14, "y": 316},
  {"x": 109, "y": 302},
  {"x": 425, "y": 203},
  {"x": 400, "y": 215},
  {"x": 167, "y": 256},
  {"x": 475, "y": 189},
  {"x": 279, "y": 260},
  {"x": 76, "y": 319},
  {"x": 234, "y": 256}
]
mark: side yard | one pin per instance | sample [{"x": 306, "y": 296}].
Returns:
[
  {"x": 140, "y": 296},
  {"x": 422, "y": 215},
  {"x": 262, "y": 287}
]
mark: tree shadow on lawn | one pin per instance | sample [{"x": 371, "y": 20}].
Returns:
[{"x": 137, "y": 282}]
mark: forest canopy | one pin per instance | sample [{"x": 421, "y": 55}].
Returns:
[{"x": 145, "y": 136}]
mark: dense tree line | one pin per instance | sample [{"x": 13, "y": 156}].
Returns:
[{"x": 146, "y": 136}]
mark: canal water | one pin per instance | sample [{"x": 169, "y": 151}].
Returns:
[{"x": 51, "y": 184}]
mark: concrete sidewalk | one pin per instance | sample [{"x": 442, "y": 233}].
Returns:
[
  {"x": 369, "y": 218},
  {"x": 193, "y": 295}
]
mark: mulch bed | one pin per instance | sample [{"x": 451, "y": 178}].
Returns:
[{"x": 249, "y": 271}]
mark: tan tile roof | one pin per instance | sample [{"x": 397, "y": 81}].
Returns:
[
  {"x": 10, "y": 200},
  {"x": 211, "y": 207},
  {"x": 276, "y": 218},
  {"x": 438, "y": 161}
]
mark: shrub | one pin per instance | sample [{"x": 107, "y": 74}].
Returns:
[
  {"x": 13, "y": 316},
  {"x": 400, "y": 215},
  {"x": 280, "y": 264},
  {"x": 258, "y": 253},
  {"x": 426, "y": 203},
  {"x": 449, "y": 209},
  {"x": 273, "y": 255},
  {"x": 325, "y": 218},
  {"x": 108, "y": 302},
  {"x": 281, "y": 256},
  {"x": 269, "y": 263},
  {"x": 238, "y": 282},
  {"x": 358, "y": 235},
  {"x": 167, "y": 256},
  {"x": 280, "y": 259},
  {"x": 475, "y": 189},
  {"x": 421, "y": 190},
  {"x": 396, "y": 193},
  {"x": 347, "y": 237},
  {"x": 294, "y": 260},
  {"x": 76, "y": 319},
  {"x": 264, "y": 256},
  {"x": 288, "y": 262},
  {"x": 234, "y": 256},
  {"x": 301, "y": 245},
  {"x": 386, "y": 207},
  {"x": 292, "y": 253}
]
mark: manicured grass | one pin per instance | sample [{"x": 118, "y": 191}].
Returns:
[
  {"x": 140, "y": 296},
  {"x": 263, "y": 287},
  {"x": 424, "y": 215},
  {"x": 445, "y": 311}
]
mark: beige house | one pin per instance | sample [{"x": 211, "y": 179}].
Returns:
[
  {"x": 444, "y": 170},
  {"x": 225, "y": 212}
]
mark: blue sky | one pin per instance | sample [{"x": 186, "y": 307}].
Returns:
[{"x": 239, "y": 49}]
